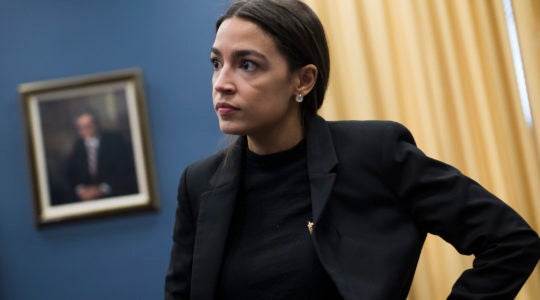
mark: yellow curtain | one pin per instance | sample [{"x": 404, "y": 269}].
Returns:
[
  {"x": 444, "y": 69},
  {"x": 527, "y": 15}
]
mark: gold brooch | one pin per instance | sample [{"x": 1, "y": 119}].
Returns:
[{"x": 310, "y": 226}]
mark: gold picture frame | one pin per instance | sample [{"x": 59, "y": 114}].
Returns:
[{"x": 89, "y": 146}]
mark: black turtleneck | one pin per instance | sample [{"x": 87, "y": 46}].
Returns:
[{"x": 269, "y": 253}]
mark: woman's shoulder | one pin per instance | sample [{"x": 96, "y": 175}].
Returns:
[
  {"x": 207, "y": 165},
  {"x": 370, "y": 125},
  {"x": 370, "y": 130}
]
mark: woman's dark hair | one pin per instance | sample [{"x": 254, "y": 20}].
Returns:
[{"x": 298, "y": 34}]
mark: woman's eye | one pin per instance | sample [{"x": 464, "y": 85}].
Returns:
[
  {"x": 247, "y": 65},
  {"x": 216, "y": 64}
]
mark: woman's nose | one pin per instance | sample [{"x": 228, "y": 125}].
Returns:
[{"x": 223, "y": 80}]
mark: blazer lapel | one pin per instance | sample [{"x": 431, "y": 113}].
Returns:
[
  {"x": 217, "y": 205},
  {"x": 322, "y": 162},
  {"x": 215, "y": 213}
]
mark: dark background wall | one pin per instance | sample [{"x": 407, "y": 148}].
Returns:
[{"x": 122, "y": 257}]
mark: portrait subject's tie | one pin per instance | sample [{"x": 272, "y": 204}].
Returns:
[{"x": 92, "y": 160}]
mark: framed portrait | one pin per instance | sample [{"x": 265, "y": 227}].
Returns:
[{"x": 89, "y": 146}]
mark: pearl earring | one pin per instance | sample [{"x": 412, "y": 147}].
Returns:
[{"x": 299, "y": 98}]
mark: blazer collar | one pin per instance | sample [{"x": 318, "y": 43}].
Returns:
[
  {"x": 217, "y": 205},
  {"x": 321, "y": 163}
]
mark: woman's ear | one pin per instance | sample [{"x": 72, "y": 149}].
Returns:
[{"x": 307, "y": 77}]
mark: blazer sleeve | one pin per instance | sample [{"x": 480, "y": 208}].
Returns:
[
  {"x": 447, "y": 203},
  {"x": 178, "y": 279}
]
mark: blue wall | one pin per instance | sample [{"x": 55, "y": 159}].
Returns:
[{"x": 121, "y": 257}]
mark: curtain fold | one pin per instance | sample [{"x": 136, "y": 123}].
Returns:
[
  {"x": 444, "y": 69},
  {"x": 527, "y": 16}
]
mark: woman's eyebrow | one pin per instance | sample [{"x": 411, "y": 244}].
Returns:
[
  {"x": 241, "y": 53},
  {"x": 215, "y": 51}
]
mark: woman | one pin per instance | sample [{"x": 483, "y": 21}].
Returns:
[{"x": 301, "y": 208}]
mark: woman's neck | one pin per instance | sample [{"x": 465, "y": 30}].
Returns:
[{"x": 277, "y": 139}]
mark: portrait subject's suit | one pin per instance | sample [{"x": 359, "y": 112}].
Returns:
[
  {"x": 374, "y": 197},
  {"x": 115, "y": 165}
]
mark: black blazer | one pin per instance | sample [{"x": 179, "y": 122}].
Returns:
[{"x": 375, "y": 197}]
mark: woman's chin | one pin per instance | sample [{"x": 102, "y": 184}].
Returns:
[{"x": 231, "y": 129}]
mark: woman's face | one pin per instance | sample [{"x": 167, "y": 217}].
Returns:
[{"x": 253, "y": 89}]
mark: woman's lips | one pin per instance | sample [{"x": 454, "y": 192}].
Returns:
[{"x": 224, "y": 109}]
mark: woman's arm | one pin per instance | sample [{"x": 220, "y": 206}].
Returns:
[
  {"x": 178, "y": 280},
  {"x": 447, "y": 203}
]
